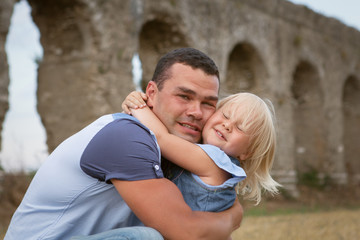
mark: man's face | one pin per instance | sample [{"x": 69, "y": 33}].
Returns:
[{"x": 185, "y": 102}]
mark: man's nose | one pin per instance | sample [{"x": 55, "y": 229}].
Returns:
[{"x": 195, "y": 111}]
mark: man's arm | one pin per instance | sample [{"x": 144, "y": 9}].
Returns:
[{"x": 158, "y": 203}]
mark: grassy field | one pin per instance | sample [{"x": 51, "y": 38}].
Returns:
[
  {"x": 332, "y": 225},
  {"x": 331, "y": 214}
]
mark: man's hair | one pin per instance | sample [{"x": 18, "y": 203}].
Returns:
[{"x": 188, "y": 56}]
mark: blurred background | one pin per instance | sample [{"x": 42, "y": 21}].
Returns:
[
  {"x": 70, "y": 62},
  {"x": 23, "y": 136}
]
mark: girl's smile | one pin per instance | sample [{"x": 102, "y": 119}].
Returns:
[{"x": 225, "y": 134}]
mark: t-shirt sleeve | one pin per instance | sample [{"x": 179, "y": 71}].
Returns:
[
  {"x": 223, "y": 161},
  {"x": 125, "y": 150}
]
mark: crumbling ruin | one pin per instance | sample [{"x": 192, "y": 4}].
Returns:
[{"x": 307, "y": 64}]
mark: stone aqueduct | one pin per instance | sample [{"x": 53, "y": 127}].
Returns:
[{"x": 307, "y": 64}]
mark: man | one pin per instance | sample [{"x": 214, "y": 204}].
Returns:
[{"x": 92, "y": 180}]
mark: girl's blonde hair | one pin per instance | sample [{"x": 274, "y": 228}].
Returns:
[{"x": 256, "y": 117}]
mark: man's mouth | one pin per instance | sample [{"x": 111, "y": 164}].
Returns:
[{"x": 194, "y": 128}]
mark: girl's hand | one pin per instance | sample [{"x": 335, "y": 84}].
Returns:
[{"x": 134, "y": 100}]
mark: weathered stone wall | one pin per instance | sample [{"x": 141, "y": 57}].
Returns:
[
  {"x": 307, "y": 64},
  {"x": 6, "y": 9}
]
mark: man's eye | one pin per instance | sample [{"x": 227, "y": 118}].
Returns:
[
  {"x": 209, "y": 104},
  {"x": 184, "y": 97}
]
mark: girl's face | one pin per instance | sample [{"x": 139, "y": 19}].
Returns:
[{"x": 226, "y": 134}]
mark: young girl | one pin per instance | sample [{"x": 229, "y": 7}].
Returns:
[{"x": 239, "y": 135}]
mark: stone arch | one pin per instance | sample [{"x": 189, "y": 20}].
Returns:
[
  {"x": 308, "y": 119},
  {"x": 245, "y": 69},
  {"x": 157, "y": 37},
  {"x": 351, "y": 123}
]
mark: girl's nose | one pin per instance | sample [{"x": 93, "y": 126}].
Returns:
[{"x": 227, "y": 126}]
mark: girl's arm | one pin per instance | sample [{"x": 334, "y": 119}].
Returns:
[{"x": 179, "y": 151}]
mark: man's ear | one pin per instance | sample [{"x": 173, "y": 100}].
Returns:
[{"x": 151, "y": 91}]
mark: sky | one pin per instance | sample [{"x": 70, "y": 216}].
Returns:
[
  {"x": 347, "y": 11},
  {"x": 23, "y": 136}
]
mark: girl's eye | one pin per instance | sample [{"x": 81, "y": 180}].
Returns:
[{"x": 225, "y": 116}]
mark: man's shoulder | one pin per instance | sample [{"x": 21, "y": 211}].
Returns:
[
  {"x": 123, "y": 129},
  {"x": 121, "y": 145},
  {"x": 130, "y": 123}
]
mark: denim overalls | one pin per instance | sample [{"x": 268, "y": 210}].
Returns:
[{"x": 203, "y": 197}]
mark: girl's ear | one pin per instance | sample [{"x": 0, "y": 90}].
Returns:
[{"x": 151, "y": 92}]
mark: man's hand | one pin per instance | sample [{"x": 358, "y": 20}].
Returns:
[
  {"x": 159, "y": 204},
  {"x": 134, "y": 100},
  {"x": 237, "y": 212}
]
